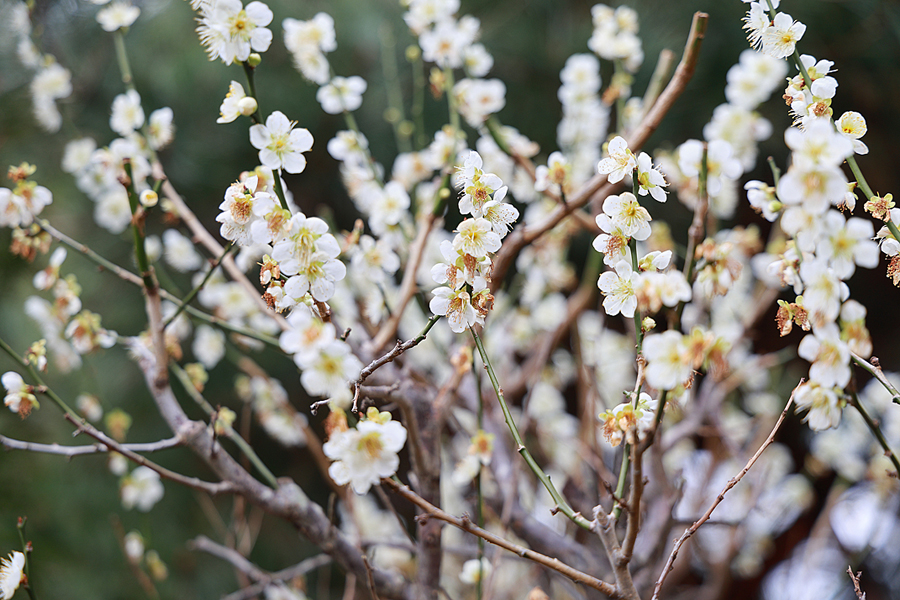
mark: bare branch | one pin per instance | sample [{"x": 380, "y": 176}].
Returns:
[
  {"x": 463, "y": 523},
  {"x": 731, "y": 483},
  {"x": 72, "y": 451},
  {"x": 214, "y": 489},
  {"x": 262, "y": 578},
  {"x": 854, "y": 577},
  {"x": 407, "y": 286}
]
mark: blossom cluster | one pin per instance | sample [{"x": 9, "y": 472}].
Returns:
[{"x": 464, "y": 296}]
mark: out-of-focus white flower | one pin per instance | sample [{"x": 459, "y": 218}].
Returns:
[
  {"x": 668, "y": 361},
  {"x": 821, "y": 402},
  {"x": 209, "y": 345},
  {"x": 127, "y": 114},
  {"x": 141, "y": 489},
  {"x": 134, "y": 546},
  {"x": 160, "y": 129},
  {"x": 477, "y": 99},
  {"x": 330, "y": 368},
  {"x": 120, "y": 14},
  {"x": 475, "y": 570},
  {"x": 179, "y": 251},
  {"x": 342, "y": 94}
]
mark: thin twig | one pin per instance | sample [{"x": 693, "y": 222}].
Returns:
[
  {"x": 875, "y": 369},
  {"x": 407, "y": 286},
  {"x": 731, "y": 483},
  {"x": 370, "y": 581},
  {"x": 854, "y": 577},
  {"x": 237, "y": 560},
  {"x": 465, "y": 524}
]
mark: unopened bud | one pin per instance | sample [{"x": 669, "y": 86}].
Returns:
[
  {"x": 149, "y": 198},
  {"x": 254, "y": 59},
  {"x": 775, "y": 206},
  {"x": 247, "y": 106},
  {"x": 647, "y": 324},
  {"x": 413, "y": 53}
]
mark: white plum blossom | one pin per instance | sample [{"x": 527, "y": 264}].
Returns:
[
  {"x": 829, "y": 355},
  {"x": 280, "y": 145},
  {"x": 852, "y": 125},
  {"x": 235, "y": 104},
  {"x": 619, "y": 289},
  {"x": 619, "y": 163},
  {"x": 12, "y": 570},
  {"x": 650, "y": 180},
  {"x": 367, "y": 453},
  {"x": 780, "y": 38},
  {"x": 242, "y": 208},
  {"x": 229, "y": 30},
  {"x": 627, "y": 214}
]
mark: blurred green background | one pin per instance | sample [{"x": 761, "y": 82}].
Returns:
[{"x": 70, "y": 504}]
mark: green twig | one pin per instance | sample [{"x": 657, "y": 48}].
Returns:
[
  {"x": 561, "y": 504},
  {"x": 122, "y": 59},
  {"x": 137, "y": 228},
  {"x": 240, "y": 442},
  {"x": 40, "y": 386},
  {"x": 193, "y": 293},
  {"x": 876, "y": 431}
]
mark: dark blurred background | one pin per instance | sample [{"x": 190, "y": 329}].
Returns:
[{"x": 70, "y": 504}]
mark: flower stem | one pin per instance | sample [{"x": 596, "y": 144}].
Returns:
[
  {"x": 279, "y": 190},
  {"x": 140, "y": 252},
  {"x": 29, "y": 587},
  {"x": 249, "y": 72},
  {"x": 122, "y": 59},
  {"x": 561, "y": 504},
  {"x": 449, "y": 82}
]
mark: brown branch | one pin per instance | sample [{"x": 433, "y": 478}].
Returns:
[
  {"x": 408, "y": 285},
  {"x": 604, "y": 526},
  {"x": 731, "y": 483},
  {"x": 854, "y": 577},
  {"x": 237, "y": 560},
  {"x": 466, "y": 525},
  {"x": 597, "y": 187}
]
